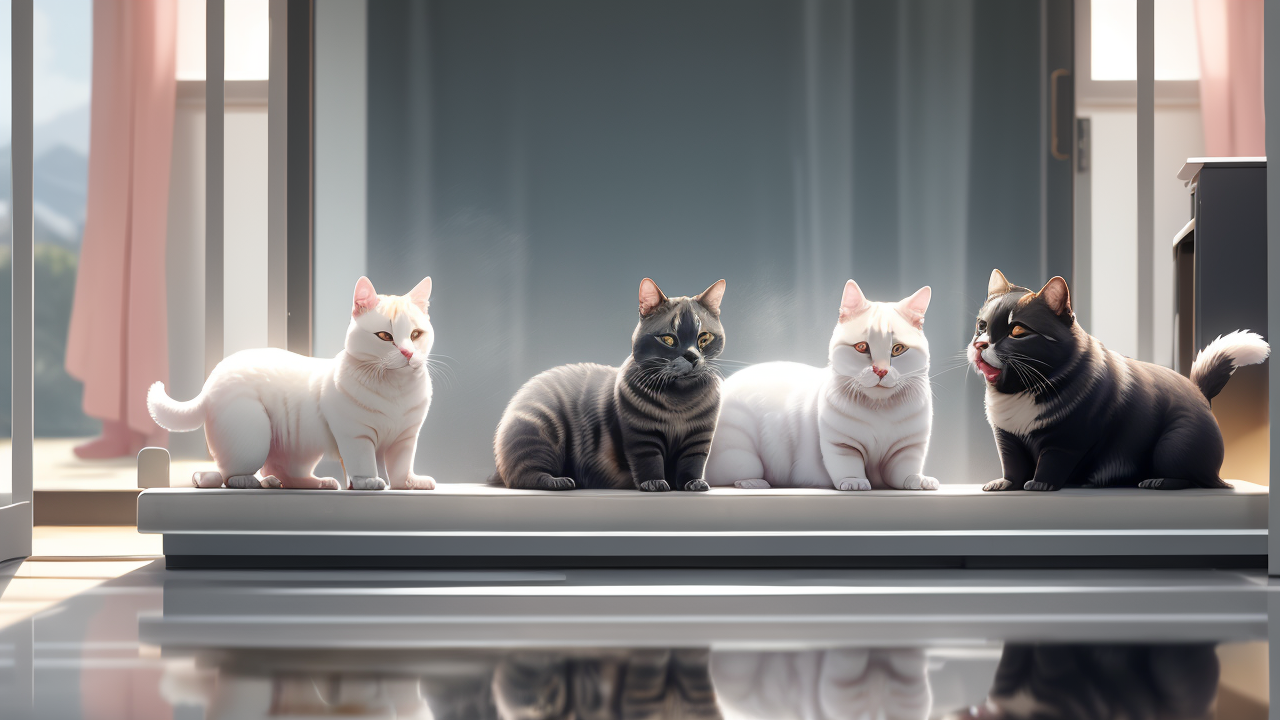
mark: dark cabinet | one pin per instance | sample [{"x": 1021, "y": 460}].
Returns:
[{"x": 1220, "y": 263}]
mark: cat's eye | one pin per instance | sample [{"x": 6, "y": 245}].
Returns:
[
  {"x": 385, "y": 336},
  {"x": 705, "y": 339},
  {"x": 982, "y": 326},
  {"x": 862, "y": 347},
  {"x": 898, "y": 349},
  {"x": 415, "y": 335},
  {"x": 1018, "y": 331},
  {"x": 668, "y": 340}
]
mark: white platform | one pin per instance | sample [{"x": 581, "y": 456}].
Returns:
[{"x": 460, "y": 521}]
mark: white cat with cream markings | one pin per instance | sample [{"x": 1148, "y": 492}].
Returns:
[
  {"x": 862, "y": 422},
  {"x": 279, "y": 413}
]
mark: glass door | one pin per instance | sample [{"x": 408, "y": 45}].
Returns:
[{"x": 16, "y": 275}]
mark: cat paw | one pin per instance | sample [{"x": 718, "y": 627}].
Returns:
[
  {"x": 920, "y": 482},
  {"x": 206, "y": 479},
  {"x": 853, "y": 484},
  {"x": 751, "y": 484},
  {"x": 243, "y": 482},
  {"x": 328, "y": 483},
  {"x": 271, "y": 481},
  {"x": 998, "y": 486},
  {"x": 416, "y": 482},
  {"x": 698, "y": 485},
  {"x": 1036, "y": 486},
  {"x": 368, "y": 483},
  {"x": 655, "y": 486},
  {"x": 556, "y": 483}
]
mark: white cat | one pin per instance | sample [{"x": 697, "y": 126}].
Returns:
[
  {"x": 280, "y": 413},
  {"x": 847, "y": 684},
  {"x": 862, "y": 422}
]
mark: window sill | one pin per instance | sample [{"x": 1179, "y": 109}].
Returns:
[{"x": 460, "y": 523}]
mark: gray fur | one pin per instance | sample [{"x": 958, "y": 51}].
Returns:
[
  {"x": 653, "y": 684},
  {"x": 647, "y": 424}
]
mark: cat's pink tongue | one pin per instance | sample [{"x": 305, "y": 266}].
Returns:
[{"x": 990, "y": 372}]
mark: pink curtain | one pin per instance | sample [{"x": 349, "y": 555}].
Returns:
[
  {"x": 117, "y": 342},
  {"x": 1231, "y": 103}
]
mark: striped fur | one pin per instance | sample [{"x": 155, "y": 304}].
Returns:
[
  {"x": 650, "y": 684},
  {"x": 1067, "y": 411},
  {"x": 647, "y": 424}
]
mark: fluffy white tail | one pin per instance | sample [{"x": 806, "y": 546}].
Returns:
[
  {"x": 1214, "y": 365},
  {"x": 171, "y": 414}
]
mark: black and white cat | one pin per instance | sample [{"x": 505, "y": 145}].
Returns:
[{"x": 1067, "y": 411}]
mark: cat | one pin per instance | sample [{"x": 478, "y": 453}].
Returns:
[
  {"x": 862, "y": 422},
  {"x": 1103, "y": 682},
  {"x": 844, "y": 684},
  {"x": 280, "y": 413},
  {"x": 1067, "y": 411},
  {"x": 650, "y": 684},
  {"x": 647, "y": 424}
]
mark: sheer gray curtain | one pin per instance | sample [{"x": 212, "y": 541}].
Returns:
[{"x": 539, "y": 158}]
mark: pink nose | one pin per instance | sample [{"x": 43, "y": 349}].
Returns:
[
  {"x": 981, "y": 345},
  {"x": 879, "y": 373},
  {"x": 408, "y": 354}
]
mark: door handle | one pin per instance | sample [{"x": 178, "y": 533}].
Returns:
[{"x": 1054, "y": 133}]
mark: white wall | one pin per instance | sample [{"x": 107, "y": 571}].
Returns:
[
  {"x": 1114, "y": 302},
  {"x": 245, "y": 230},
  {"x": 245, "y": 278}
]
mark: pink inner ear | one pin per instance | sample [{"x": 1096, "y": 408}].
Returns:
[
  {"x": 366, "y": 298},
  {"x": 914, "y": 307},
  {"x": 853, "y": 301},
  {"x": 421, "y": 294}
]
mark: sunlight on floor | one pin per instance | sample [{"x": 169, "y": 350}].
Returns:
[
  {"x": 68, "y": 561},
  {"x": 57, "y": 468}
]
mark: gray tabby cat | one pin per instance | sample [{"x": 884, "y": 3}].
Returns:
[
  {"x": 654, "y": 684},
  {"x": 647, "y": 424}
]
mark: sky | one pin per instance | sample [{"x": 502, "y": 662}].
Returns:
[{"x": 62, "y": 59}]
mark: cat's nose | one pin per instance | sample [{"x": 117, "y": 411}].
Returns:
[
  {"x": 981, "y": 345},
  {"x": 693, "y": 356},
  {"x": 880, "y": 372},
  {"x": 407, "y": 353}
]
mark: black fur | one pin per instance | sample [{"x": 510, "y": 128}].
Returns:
[
  {"x": 1106, "y": 682},
  {"x": 1102, "y": 419},
  {"x": 646, "y": 425}
]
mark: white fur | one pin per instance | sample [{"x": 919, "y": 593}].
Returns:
[
  {"x": 279, "y": 413},
  {"x": 1014, "y": 413},
  {"x": 1241, "y": 347},
  {"x": 846, "y": 684},
  {"x": 785, "y": 424}
]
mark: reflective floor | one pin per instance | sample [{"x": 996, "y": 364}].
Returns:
[{"x": 587, "y": 645}]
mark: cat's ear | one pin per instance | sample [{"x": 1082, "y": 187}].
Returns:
[
  {"x": 853, "y": 301},
  {"x": 651, "y": 297},
  {"x": 914, "y": 307},
  {"x": 710, "y": 298},
  {"x": 1056, "y": 296},
  {"x": 421, "y": 294},
  {"x": 366, "y": 297},
  {"x": 998, "y": 285}
]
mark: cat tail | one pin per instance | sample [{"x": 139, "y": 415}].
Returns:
[
  {"x": 495, "y": 480},
  {"x": 1215, "y": 363},
  {"x": 171, "y": 414}
]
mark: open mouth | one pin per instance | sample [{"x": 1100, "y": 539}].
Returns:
[{"x": 989, "y": 371}]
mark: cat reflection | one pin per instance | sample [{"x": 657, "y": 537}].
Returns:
[
  {"x": 858, "y": 683},
  {"x": 634, "y": 685},
  {"x": 317, "y": 696},
  {"x": 1102, "y": 682}
]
